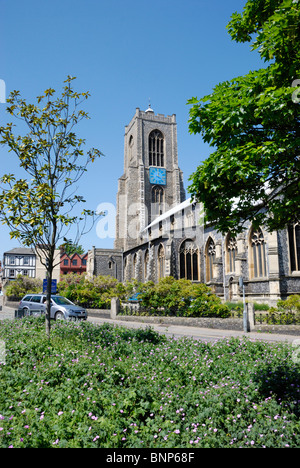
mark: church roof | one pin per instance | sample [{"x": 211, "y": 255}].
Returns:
[{"x": 169, "y": 213}]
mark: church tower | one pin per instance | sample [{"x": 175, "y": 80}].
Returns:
[{"x": 152, "y": 182}]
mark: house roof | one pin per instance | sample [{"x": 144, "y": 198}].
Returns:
[{"x": 21, "y": 251}]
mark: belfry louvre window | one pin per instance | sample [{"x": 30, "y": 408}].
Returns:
[
  {"x": 189, "y": 261},
  {"x": 158, "y": 196},
  {"x": 258, "y": 250},
  {"x": 294, "y": 244},
  {"x": 156, "y": 148}
]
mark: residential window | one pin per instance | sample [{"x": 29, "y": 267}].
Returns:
[
  {"x": 84, "y": 262},
  {"x": 74, "y": 262},
  {"x": 294, "y": 244},
  {"x": 66, "y": 262},
  {"x": 25, "y": 272},
  {"x": 258, "y": 253},
  {"x": 156, "y": 148},
  {"x": 12, "y": 273},
  {"x": 189, "y": 261},
  {"x": 25, "y": 261}
]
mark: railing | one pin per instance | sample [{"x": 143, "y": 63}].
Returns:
[
  {"x": 268, "y": 318},
  {"x": 149, "y": 311},
  {"x": 279, "y": 318}
]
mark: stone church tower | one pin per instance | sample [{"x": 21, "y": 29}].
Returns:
[{"x": 152, "y": 182}]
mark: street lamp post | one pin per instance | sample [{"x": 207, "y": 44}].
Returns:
[{"x": 245, "y": 314}]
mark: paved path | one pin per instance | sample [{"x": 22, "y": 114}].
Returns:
[{"x": 205, "y": 334}]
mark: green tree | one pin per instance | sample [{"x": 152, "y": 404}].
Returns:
[
  {"x": 38, "y": 208},
  {"x": 252, "y": 122},
  {"x": 69, "y": 247},
  {"x": 23, "y": 285}
]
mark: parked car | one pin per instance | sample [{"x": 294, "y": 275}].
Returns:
[{"x": 61, "y": 308}]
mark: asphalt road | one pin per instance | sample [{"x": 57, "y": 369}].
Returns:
[{"x": 204, "y": 334}]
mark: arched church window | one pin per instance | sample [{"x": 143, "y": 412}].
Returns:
[
  {"x": 134, "y": 264},
  {"x": 146, "y": 264},
  {"x": 231, "y": 251},
  {"x": 156, "y": 148},
  {"x": 158, "y": 196},
  {"x": 258, "y": 254},
  {"x": 130, "y": 147},
  {"x": 294, "y": 245},
  {"x": 210, "y": 256},
  {"x": 161, "y": 262},
  {"x": 189, "y": 261}
]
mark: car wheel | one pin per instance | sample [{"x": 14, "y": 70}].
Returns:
[
  {"x": 59, "y": 316},
  {"x": 25, "y": 311}
]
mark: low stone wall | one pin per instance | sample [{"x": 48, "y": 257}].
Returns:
[
  {"x": 102, "y": 313},
  {"x": 203, "y": 322},
  {"x": 11, "y": 304},
  {"x": 278, "y": 329}
]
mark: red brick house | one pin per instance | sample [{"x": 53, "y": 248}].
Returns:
[{"x": 74, "y": 263}]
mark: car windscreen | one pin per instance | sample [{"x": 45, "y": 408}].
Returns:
[{"x": 59, "y": 300}]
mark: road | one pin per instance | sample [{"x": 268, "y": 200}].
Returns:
[{"x": 204, "y": 334}]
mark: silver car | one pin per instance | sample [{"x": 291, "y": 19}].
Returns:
[{"x": 61, "y": 308}]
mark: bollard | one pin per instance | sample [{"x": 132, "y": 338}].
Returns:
[
  {"x": 251, "y": 316},
  {"x": 115, "y": 306}
]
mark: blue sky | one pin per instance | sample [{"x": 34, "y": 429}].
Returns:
[{"x": 123, "y": 53}]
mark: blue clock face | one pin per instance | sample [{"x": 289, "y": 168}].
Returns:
[{"x": 158, "y": 176}]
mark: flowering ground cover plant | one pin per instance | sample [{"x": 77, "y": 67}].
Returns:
[{"x": 105, "y": 386}]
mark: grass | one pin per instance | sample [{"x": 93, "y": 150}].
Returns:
[{"x": 105, "y": 386}]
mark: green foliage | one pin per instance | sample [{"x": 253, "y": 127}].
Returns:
[
  {"x": 53, "y": 159},
  {"x": 70, "y": 248},
  {"x": 38, "y": 207},
  {"x": 94, "y": 293},
  {"x": 182, "y": 298},
  {"x": 291, "y": 304},
  {"x": 23, "y": 285},
  {"x": 286, "y": 312},
  {"x": 110, "y": 387},
  {"x": 252, "y": 122}
]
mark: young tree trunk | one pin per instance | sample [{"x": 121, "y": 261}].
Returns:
[
  {"x": 49, "y": 271},
  {"x": 48, "y": 301}
]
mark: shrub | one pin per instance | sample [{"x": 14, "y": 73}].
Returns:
[
  {"x": 182, "y": 298},
  {"x": 94, "y": 293},
  {"x": 23, "y": 285},
  {"x": 292, "y": 304}
]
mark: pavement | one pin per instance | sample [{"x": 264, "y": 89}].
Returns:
[{"x": 177, "y": 331}]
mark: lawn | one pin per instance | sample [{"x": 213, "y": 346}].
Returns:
[{"x": 105, "y": 386}]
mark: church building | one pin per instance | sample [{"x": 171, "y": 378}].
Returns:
[{"x": 161, "y": 233}]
